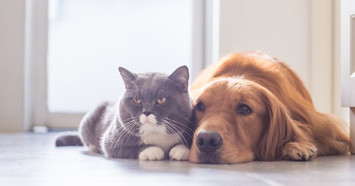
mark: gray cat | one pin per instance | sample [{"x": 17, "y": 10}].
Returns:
[{"x": 152, "y": 120}]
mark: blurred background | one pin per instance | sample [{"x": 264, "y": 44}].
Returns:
[{"x": 59, "y": 58}]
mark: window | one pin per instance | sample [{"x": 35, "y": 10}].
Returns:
[{"x": 86, "y": 41}]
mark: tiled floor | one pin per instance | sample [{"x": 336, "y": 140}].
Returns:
[{"x": 31, "y": 159}]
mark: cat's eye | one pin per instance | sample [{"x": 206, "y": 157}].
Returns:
[
  {"x": 200, "y": 106},
  {"x": 161, "y": 101},
  {"x": 244, "y": 109},
  {"x": 137, "y": 101}
]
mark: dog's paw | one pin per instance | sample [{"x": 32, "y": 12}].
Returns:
[
  {"x": 299, "y": 151},
  {"x": 180, "y": 153},
  {"x": 151, "y": 153}
]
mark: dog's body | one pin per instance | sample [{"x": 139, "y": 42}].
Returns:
[{"x": 250, "y": 106}]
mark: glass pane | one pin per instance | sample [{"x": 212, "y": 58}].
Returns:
[{"x": 89, "y": 39}]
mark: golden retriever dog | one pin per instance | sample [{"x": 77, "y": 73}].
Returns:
[{"x": 250, "y": 106}]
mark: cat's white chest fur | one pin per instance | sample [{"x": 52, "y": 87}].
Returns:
[{"x": 153, "y": 134}]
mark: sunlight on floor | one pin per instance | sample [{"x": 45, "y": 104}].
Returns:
[{"x": 32, "y": 159}]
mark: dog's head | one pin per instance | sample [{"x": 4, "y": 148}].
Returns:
[{"x": 238, "y": 121}]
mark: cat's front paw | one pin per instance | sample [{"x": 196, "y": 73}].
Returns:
[
  {"x": 179, "y": 152},
  {"x": 151, "y": 153}
]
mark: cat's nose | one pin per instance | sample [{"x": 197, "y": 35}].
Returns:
[{"x": 147, "y": 113}]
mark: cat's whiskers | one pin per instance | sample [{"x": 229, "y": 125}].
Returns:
[
  {"x": 114, "y": 143},
  {"x": 128, "y": 129},
  {"x": 174, "y": 130},
  {"x": 130, "y": 126},
  {"x": 127, "y": 119},
  {"x": 180, "y": 125},
  {"x": 180, "y": 130},
  {"x": 125, "y": 132},
  {"x": 186, "y": 119},
  {"x": 128, "y": 122},
  {"x": 175, "y": 133}
]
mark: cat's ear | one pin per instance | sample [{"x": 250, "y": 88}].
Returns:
[
  {"x": 181, "y": 77},
  {"x": 128, "y": 78}
]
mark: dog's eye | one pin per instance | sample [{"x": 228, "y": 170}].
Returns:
[
  {"x": 244, "y": 109},
  {"x": 200, "y": 106}
]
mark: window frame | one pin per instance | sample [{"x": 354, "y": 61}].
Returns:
[{"x": 38, "y": 11}]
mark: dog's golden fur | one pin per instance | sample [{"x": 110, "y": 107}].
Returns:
[{"x": 283, "y": 123}]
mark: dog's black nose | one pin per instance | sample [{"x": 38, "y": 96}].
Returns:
[{"x": 208, "y": 141}]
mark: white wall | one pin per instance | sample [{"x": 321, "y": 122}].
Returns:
[
  {"x": 12, "y": 55},
  {"x": 277, "y": 27},
  {"x": 298, "y": 32}
]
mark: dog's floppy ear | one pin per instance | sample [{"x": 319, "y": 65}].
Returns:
[{"x": 278, "y": 130}]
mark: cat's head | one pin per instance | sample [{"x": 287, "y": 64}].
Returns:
[{"x": 157, "y": 102}]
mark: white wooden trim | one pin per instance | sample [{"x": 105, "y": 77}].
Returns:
[
  {"x": 198, "y": 41},
  {"x": 338, "y": 109},
  {"x": 321, "y": 54},
  {"x": 39, "y": 61},
  {"x": 345, "y": 13},
  {"x": 64, "y": 120},
  {"x": 28, "y": 86},
  {"x": 352, "y": 83},
  {"x": 39, "y": 38},
  {"x": 212, "y": 27},
  {"x": 205, "y": 39},
  {"x": 347, "y": 27},
  {"x": 352, "y": 62}
]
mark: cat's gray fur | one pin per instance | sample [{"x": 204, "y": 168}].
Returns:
[{"x": 125, "y": 129}]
